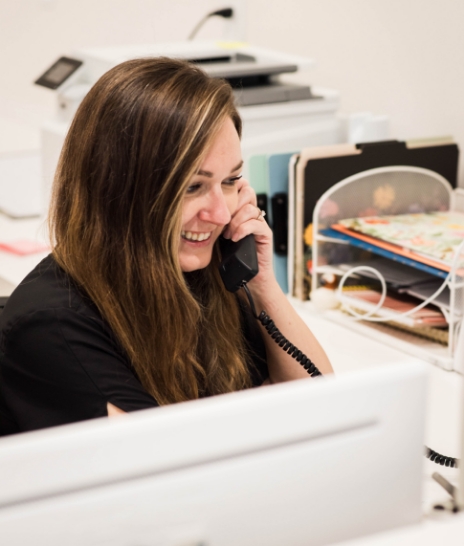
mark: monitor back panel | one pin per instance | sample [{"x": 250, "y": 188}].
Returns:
[{"x": 311, "y": 462}]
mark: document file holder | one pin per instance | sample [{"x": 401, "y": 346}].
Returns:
[{"x": 388, "y": 190}]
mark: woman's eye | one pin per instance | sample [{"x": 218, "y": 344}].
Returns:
[
  {"x": 231, "y": 181},
  {"x": 193, "y": 188}
]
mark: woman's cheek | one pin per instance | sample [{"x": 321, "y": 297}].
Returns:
[{"x": 232, "y": 203}]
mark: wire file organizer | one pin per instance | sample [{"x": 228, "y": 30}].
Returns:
[{"x": 389, "y": 191}]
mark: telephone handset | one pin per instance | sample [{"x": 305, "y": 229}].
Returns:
[{"x": 239, "y": 264}]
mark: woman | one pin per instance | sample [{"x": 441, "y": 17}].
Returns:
[{"x": 129, "y": 311}]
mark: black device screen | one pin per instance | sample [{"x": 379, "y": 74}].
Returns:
[{"x": 59, "y": 72}]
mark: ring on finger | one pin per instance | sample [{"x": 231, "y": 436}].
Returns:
[{"x": 261, "y": 215}]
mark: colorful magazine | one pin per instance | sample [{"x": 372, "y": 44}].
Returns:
[{"x": 433, "y": 237}]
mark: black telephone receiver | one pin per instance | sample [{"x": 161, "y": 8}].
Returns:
[{"x": 239, "y": 262}]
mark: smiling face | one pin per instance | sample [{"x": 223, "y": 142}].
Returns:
[{"x": 210, "y": 200}]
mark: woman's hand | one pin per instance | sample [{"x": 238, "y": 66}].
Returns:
[{"x": 246, "y": 220}]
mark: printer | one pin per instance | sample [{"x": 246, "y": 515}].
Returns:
[{"x": 279, "y": 115}]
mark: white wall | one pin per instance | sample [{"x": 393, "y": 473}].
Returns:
[{"x": 399, "y": 57}]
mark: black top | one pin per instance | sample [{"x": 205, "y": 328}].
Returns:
[{"x": 60, "y": 361}]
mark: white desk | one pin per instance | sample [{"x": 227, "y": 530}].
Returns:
[
  {"x": 347, "y": 351},
  {"x": 14, "y": 268},
  {"x": 435, "y": 530}
]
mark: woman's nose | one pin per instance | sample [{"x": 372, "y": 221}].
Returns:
[{"x": 216, "y": 210}]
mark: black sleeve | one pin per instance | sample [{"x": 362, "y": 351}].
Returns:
[{"x": 59, "y": 366}]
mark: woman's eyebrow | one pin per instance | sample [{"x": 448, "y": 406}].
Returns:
[{"x": 209, "y": 174}]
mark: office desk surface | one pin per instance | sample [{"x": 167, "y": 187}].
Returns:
[
  {"x": 347, "y": 351},
  {"x": 14, "y": 268},
  {"x": 435, "y": 530}
]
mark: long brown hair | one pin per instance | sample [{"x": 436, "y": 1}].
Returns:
[{"x": 137, "y": 139}]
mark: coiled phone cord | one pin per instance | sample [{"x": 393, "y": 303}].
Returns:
[
  {"x": 441, "y": 459},
  {"x": 280, "y": 339},
  {"x": 312, "y": 370}
]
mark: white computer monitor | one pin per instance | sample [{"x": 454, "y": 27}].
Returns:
[{"x": 307, "y": 462}]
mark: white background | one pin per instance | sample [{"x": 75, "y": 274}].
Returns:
[{"x": 402, "y": 58}]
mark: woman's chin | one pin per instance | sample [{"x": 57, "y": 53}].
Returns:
[
  {"x": 193, "y": 263},
  {"x": 194, "y": 255}
]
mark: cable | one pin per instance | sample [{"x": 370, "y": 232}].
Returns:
[
  {"x": 387, "y": 316},
  {"x": 449, "y": 279},
  {"x": 312, "y": 370},
  {"x": 441, "y": 459},
  {"x": 226, "y": 13},
  {"x": 280, "y": 339}
]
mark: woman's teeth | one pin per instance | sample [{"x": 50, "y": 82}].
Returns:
[{"x": 195, "y": 236}]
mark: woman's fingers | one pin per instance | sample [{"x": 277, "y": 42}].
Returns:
[
  {"x": 246, "y": 194},
  {"x": 246, "y": 210},
  {"x": 247, "y": 219}
]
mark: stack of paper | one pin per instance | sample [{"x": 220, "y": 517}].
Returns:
[
  {"x": 393, "y": 308},
  {"x": 431, "y": 238}
]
